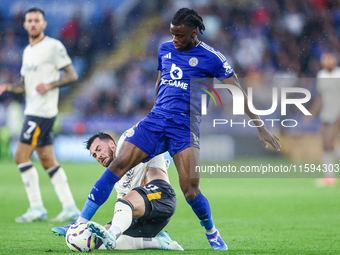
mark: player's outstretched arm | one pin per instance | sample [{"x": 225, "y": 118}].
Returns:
[
  {"x": 69, "y": 76},
  {"x": 17, "y": 88},
  {"x": 264, "y": 135}
]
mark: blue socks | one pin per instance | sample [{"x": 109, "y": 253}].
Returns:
[
  {"x": 200, "y": 206},
  {"x": 103, "y": 187},
  {"x": 99, "y": 194}
]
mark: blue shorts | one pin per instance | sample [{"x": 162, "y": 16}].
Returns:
[{"x": 158, "y": 133}]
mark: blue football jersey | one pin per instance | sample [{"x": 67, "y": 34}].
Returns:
[{"x": 175, "y": 95}]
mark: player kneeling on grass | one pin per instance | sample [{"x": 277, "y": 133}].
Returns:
[{"x": 145, "y": 204}]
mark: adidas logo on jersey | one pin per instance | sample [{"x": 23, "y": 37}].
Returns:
[{"x": 168, "y": 55}]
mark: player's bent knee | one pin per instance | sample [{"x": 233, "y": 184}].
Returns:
[
  {"x": 19, "y": 159},
  {"x": 190, "y": 190},
  {"x": 191, "y": 194},
  {"x": 124, "y": 205},
  {"x": 48, "y": 164}
]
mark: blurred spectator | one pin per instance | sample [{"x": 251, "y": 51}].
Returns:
[
  {"x": 11, "y": 52},
  {"x": 17, "y": 26},
  {"x": 70, "y": 34},
  {"x": 273, "y": 38},
  {"x": 293, "y": 19},
  {"x": 106, "y": 30}
]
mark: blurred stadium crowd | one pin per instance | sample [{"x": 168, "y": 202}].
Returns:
[{"x": 262, "y": 38}]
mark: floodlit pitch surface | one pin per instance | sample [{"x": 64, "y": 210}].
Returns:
[{"x": 254, "y": 216}]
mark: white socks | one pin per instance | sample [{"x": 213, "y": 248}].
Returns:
[
  {"x": 82, "y": 220},
  {"x": 129, "y": 243},
  {"x": 61, "y": 187},
  {"x": 327, "y": 158},
  {"x": 134, "y": 243},
  {"x": 30, "y": 178},
  {"x": 150, "y": 243},
  {"x": 122, "y": 217},
  {"x": 121, "y": 221}
]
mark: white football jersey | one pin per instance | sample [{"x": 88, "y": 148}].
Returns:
[
  {"x": 41, "y": 63},
  {"x": 135, "y": 176},
  {"x": 328, "y": 85}
]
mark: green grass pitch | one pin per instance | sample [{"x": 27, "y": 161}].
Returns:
[{"x": 254, "y": 216}]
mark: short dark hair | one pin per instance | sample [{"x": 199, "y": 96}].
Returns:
[
  {"x": 36, "y": 10},
  {"x": 101, "y": 136},
  {"x": 188, "y": 17}
]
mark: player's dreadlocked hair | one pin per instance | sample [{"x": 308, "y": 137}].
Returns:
[
  {"x": 101, "y": 136},
  {"x": 189, "y": 18}
]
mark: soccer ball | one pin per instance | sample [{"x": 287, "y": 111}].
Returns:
[{"x": 79, "y": 238}]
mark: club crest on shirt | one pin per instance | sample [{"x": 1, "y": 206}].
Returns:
[
  {"x": 193, "y": 61},
  {"x": 130, "y": 132}
]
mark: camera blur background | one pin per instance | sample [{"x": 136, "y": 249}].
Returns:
[{"x": 113, "y": 45}]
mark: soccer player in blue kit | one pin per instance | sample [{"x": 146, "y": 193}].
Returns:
[{"x": 167, "y": 127}]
